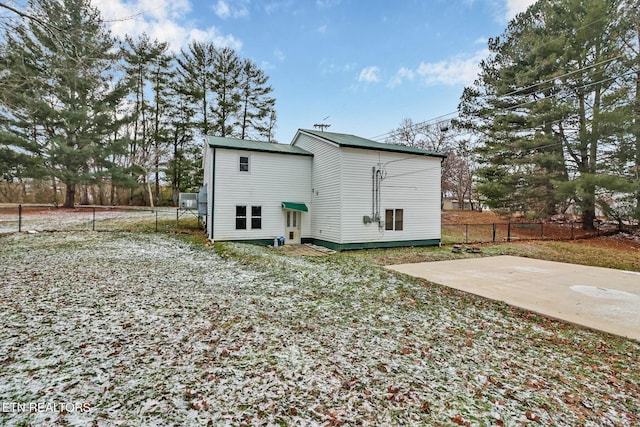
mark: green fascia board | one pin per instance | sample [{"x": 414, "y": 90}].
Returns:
[
  {"x": 248, "y": 145},
  {"x": 295, "y": 206},
  {"x": 346, "y": 140}
]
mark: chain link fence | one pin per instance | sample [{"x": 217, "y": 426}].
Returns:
[
  {"x": 514, "y": 231},
  {"x": 42, "y": 218}
]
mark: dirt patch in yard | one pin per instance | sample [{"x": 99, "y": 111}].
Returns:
[
  {"x": 607, "y": 237},
  {"x": 472, "y": 217},
  {"x": 619, "y": 242}
]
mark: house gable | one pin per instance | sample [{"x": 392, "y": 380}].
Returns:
[
  {"x": 346, "y": 140},
  {"x": 350, "y": 204},
  {"x": 247, "y": 182}
]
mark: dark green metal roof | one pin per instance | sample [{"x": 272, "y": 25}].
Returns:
[
  {"x": 345, "y": 140},
  {"x": 247, "y": 145},
  {"x": 295, "y": 206}
]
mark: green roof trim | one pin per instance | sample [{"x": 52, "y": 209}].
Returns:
[
  {"x": 248, "y": 145},
  {"x": 295, "y": 206},
  {"x": 346, "y": 140}
]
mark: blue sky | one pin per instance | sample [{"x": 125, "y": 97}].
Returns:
[{"x": 366, "y": 65}]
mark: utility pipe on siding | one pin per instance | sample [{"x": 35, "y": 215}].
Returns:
[
  {"x": 373, "y": 193},
  {"x": 377, "y": 217}
]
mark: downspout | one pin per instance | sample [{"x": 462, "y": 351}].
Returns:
[
  {"x": 373, "y": 193},
  {"x": 441, "y": 189},
  {"x": 213, "y": 191},
  {"x": 378, "y": 198}
]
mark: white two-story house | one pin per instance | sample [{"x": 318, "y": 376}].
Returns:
[{"x": 331, "y": 189}]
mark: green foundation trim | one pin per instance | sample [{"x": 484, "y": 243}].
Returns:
[
  {"x": 373, "y": 245},
  {"x": 349, "y": 246}
]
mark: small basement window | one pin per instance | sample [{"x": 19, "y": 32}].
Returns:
[
  {"x": 256, "y": 217},
  {"x": 394, "y": 219},
  {"x": 244, "y": 164},
  {"x": 241, "y": 217}
]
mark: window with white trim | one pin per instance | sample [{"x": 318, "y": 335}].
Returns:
[
  {"x": 241, "y": 217},
  {"x": 256, "y": 217},
  {"x": 393, "y": 219},
  {"x": 243, "y": 164}
]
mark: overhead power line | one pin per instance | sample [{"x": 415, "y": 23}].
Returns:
[
  {"x": 454, "y": 113},
  {"x": 440, "y": 119}
]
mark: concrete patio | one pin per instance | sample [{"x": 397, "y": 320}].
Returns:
[{"x": 599, "y": 298}]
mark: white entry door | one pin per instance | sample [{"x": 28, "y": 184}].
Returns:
[{"x": 292, "y": 220}]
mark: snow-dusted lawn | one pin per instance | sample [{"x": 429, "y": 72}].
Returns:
[
  {"x": 80, "y": 219},
  {"x": 148, "y": 330}
]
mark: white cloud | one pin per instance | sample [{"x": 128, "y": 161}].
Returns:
[
  {"x": 160, "y": 19},
  {"x": 222, "y": 9},
  {"x": 457, "y": 70},
  {"x": 322, "y": 29},
  {"x": 165, "y": 9},
  {"x": 401, "y": 75},
  {"x": 225, "y": 9},
  {"x": 369, "y": 75},
  {"x": 516, "y": 6},
  {"x": 211, "y": 35}
]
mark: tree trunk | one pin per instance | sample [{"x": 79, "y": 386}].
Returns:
[
  {"x": 85, "y": 195},
  {"x": 55, "y": 191},
  {"x": 588, "y": 219},
  {"x": 150, "y": 195},
  {"x": 637, "y": 133},
  {"x": 70, "y": 196},
  {"x": 175, "y": 186}
]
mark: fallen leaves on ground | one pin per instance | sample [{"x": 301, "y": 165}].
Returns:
[{"x": 149, "y": 330}]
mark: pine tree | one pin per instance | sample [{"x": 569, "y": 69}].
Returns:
[
  {"x": 58, "y": 91},
  {"x": 185, "y": 161},
  {"x": 195, "y": 82},
  {"x": 226, "y": 90},
  {"x": 256, "y": 106},
  {"x": 629, "y": 146},
  {"x": 545, "y": 107}
]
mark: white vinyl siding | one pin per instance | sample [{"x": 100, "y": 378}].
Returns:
[
  {"x": 207, "y": 165},
  {"x": 411, "y": 183},
  {"x": 326, "y": 198},
  {"x": 274, "y": 178},
  {"x": 335, "y": 184}
]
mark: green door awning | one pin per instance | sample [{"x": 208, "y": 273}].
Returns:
[{"x": 295, "y": 206}]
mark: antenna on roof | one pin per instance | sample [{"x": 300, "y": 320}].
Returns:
[{"x": 322, "y": 126}]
